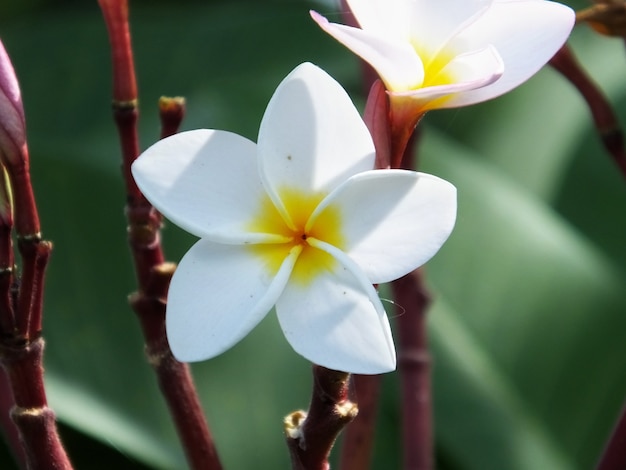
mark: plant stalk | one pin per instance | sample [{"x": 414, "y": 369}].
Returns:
[
  {"x": 311, "y": 436},
  {"x": 144, "y": 236}
]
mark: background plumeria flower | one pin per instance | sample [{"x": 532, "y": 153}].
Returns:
[
  {"x": 300, "y": 221},
  {"x": 449, "y": 53}
]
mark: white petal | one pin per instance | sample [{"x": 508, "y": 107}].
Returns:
[
  {"x": 217, "y": 295},
  {"x": 338, "y": 321},
  {"x": 434, "y": 23},
  {"x": 396, "y": 62},
  {"x": 526, "y": 34},
  {"x": 393, "y": 221},
  {"x": 384, "y": 17},
  {"x": 205, "y": 181},
  {"x": 311, "y": 137}
]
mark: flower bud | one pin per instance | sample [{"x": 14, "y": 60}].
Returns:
[{"x": 12, "y": 122}]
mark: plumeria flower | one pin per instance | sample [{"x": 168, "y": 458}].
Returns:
[
  {"x": 299, "y": 221},
  {"x": 449, "y": 53}
]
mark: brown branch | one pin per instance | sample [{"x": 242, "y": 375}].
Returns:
[
  {"x": 358, "y": 440},
  {"x": 144, "y": 236},
  {"x": 412, "y": 301},
  {"x": 21, "y": 305},
  {"x": 34, "y": 420},
  {"x": 172, "y": 112},
  {"x": 604, "y": 118},
  {"x": 311, "y": 436},
  {"x": 414, "y": 367},
  {"x": 607, "y": 17}
]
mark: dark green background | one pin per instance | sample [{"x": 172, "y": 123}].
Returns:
[{"x": 528, "y": 326}]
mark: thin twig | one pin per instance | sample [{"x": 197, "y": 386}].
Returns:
[
  {"x": 311, "y": 436},
  {"x": 144, "y": 236},
  {"x": 21, "y": 304},
  {"x": 358, "y": 440},
  {"x": 414, "y": 367},
  {"x": 604, "y": 118}
]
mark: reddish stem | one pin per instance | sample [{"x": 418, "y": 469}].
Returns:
[
  {"x": 35, "y": 254},
  {"x": 115, "y": 14},
  {"x": 9, "y": 429},
  {"x": 34, "y": 420},
  {"x": 604, "y": 117},
  {"x": 153, "y": 275},
  {"x": 414, "y": 367},
  {"x": 175, "y": 380},
  {"x": 412, "y": 300},
  {"x": 25, "y": 209},
  {"x": 614, "y": 455},
  {"x": 7, "y": 316},
  {"x": 358, "y": 440},
  {"x": 172, "y": 111},
  {"x": 311, "y": 436},
  {"x": 21, "y": 347}
]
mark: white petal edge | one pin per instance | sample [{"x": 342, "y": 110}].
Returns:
[
  {"x": 206, "y": 182},
  {"x": 393, "y": 221},
  {"x": 311, "y": 137},
  {"x": 218, "y": 294},
  {"x": 526, "y": 34},
  {"x": 396, "y": 62},
  {"x": 338, "y": 321}
]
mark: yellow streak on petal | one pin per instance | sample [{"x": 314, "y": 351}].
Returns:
[
  {"x": 326, "y": 226},
  {"x": 434, "y": 65}
]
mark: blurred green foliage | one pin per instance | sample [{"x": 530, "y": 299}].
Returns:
[{"x": 529, "y": 318}]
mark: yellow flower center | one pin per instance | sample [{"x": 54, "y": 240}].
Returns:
[
  {"x": 434, "y": 74},
  {"x": 297, "y": 230}
]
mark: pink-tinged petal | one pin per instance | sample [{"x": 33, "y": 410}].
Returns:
[
  {"x": 338, "y": 321},
  {"x": 474, "y": 71},
  {"x": 394, "y": 229},
  {"x": 311, "y": 137},
  {"x": 483, "y": 65},
  {"x": 12, "y": 122},
  {"x": 395, "y": 61},
  {"x": 471, "y": 71},
  {"x": 526, "y": 35},
  {"x": 206, "y": 182},
  {"x": 434, "y": 23},
  {"x": 9, "y": 85},
  {"x": 218, "y": 294}
]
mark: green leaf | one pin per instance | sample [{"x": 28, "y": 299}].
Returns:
[{"x": 529, "y": 330}]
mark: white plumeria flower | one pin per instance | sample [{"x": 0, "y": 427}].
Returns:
[
  {"x": 450, "y": 53},
  {"x": 300, "y": 221}
]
